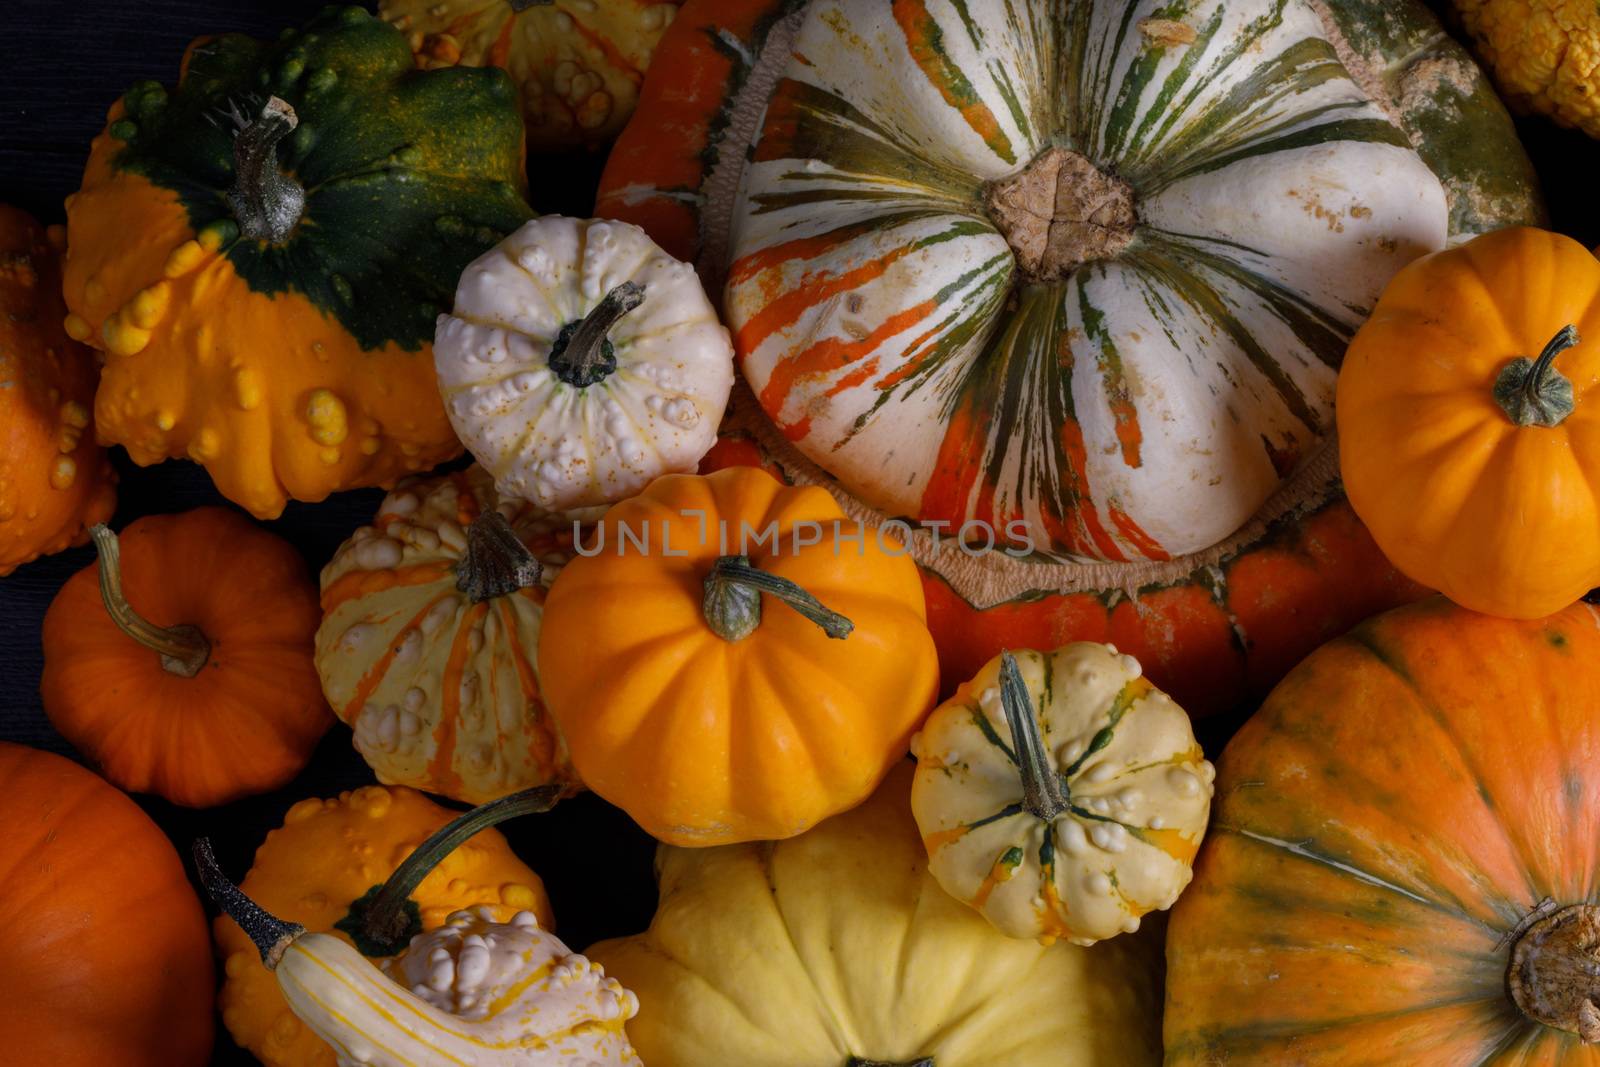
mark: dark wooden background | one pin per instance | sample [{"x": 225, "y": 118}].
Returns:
[{"x": 61, "y": 66}]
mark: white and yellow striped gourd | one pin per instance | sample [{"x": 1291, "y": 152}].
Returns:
[{"x": 474, "y": 991}]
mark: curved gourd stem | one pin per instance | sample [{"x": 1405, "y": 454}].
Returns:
[
  {"x": 519, "y": 6},
  {"x": 184, "y": 650},
  {"x": 582, "y": 355},
  {"x": 857, "y": 1061},
  {"x": 1042, "y": 792},
  {"x": 380, "y": 923},
  {"x": 266, "y": 203},
  {"x": 1531, "y": 391},
  {"x": 1554, "y": 975},
  {"x": 270, "y": 934},
  {"x": 496, "y": 563},
  {"x": 732, "y": 601}
]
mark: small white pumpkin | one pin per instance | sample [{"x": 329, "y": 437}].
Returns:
[
  {"x": 582, "y": 362},
  {"x": 471, "y": 991},
  {"x": 1061, "y": 794}
]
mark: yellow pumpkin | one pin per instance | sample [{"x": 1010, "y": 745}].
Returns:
[
  {"x": 838, "y": 949},
  {"x": 55, "y": 481},
  {"x": 261, "y": 253},
  {"x": 331, "y": 854},
  {"x": 1544, "y": 54},
  {"x": 1061, "y": 794},
  {"x": 1469, "y": 422},
  {"x": 578, "y": 63},
  {"x": 430, "y": 620},
  {"x": 731, "y": 659}
]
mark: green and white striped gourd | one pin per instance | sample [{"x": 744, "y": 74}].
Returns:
[{"x": 1080, "y": 273}]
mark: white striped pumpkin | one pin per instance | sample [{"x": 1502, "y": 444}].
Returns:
[{"x": 1230, "y": 203}]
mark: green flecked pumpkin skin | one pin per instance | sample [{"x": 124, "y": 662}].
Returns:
[
  {"x": 429, "y": 163},
  {"x": 262, "y": 251}
]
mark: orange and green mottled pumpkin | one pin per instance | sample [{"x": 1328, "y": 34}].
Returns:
[
  {"x": 860, "y": 175},
  {"x": 577, "y": 63},
  {"x": 1402, "y": 865},
  {"x": 261, "y": 253},
  {"x": 55, "y": 481}
]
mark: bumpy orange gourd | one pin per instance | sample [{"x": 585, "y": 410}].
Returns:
[
  {"x": 1469, "y": 422},
  {"x": 261, "y": 251},
  {"x": 55, "y": 481},
  {"x": 1545, "y": 55},
  {"x": 182, "y": 663},
  {"x": 105, "y": 958},
  {"x": 328, "y": 855},
  {"x": 712, "y": 713},
  {"x": 578, "y": 63},
  {"x": 1402, "y": 865}
]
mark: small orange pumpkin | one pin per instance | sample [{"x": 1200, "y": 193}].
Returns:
[
  {"x": 692, "y": 656},
  {"x": 1469, "y": 422},
  {"x": 182, "y": 663},
  {"x": 55, "y": 481}
]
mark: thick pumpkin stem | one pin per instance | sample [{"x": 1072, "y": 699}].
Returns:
[
  {"x": 1555, "y": 971},
  {"x": 582, "y": 355},
  {"x": 270, "y": 934},
  {"x": 384, "y": 921},
  {"x": 857, "y": 1061},
  {"x": 1043, "y": 795},
  {"x": 497, "y": 563},
  {"x": 732, "y": 601},
  {"x": 266, "y": 203},
  {"x": 183, "y": 649},
  {"x": 1531, "y": 391}
]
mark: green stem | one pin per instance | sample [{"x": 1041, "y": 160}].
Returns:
[
  {"x": 583, "y": 355},
  {"x": 1042, "y": 792},
  {"x": 383, "y": 921},
  {"x": 496, "y": 563},
  {"x": 266, "y": 203},
  {"x": 270, "y": 934},
  {"x": 1531, "y": 391},
  {"x": 732, "y": 601},
  {"x": 183, "y": 649}
]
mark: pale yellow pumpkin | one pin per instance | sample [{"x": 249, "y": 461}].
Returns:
[
  {"x": 427, "y": 646},
  {"x": 838, "y": 948}
]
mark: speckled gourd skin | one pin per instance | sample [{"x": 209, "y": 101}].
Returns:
[
  {"x": 441, "y": 693},
  {"x": 472, "y": 991},
  {"x": 1138, "y": 784},
  {"x": 839, "y": 943},
  {"x": 546, "y": 439},
  {"x": 577, "y": 63},
  {"x": 295, "y": 369},
  {"x": 327, "y": 854},
  {"x": 55, "y": 480}
]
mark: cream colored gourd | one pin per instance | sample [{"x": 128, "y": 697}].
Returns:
[
  {"x": 1061, "y": 794},
  {"x": 582, "y": 362},
  {"x": 473, "y": 991},
  {"x": 430, "y": 621}
]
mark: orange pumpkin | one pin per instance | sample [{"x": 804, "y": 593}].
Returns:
[
  {"x": 105, "y": 957},
  {"x": 1402, "y": 865},
  {"x": 701, "y": 680},
  {"x": 55, "y": 481},
  {"x": 1469, "y": 422},
  {"x": 182, "y": 664}
]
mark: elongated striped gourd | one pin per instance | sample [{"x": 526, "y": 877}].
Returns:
[
  {"x": 473, "y": 991},
  {"x": 1061, "y": 794},
  {"x": 1188, "y": 86}
]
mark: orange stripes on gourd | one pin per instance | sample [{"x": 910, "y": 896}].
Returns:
[
  {"x": 785, "y": 310},
  {"x": 926, "y": 41},
  {"x": 1147, "y": 546},
  {"x": 371, "y": 680},
  {"x": 357, "y": 584},
  {"x": 441, "y": 768}
]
